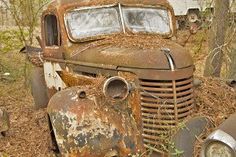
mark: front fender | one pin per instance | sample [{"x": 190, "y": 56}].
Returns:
[{"x": 85, "y": 126}]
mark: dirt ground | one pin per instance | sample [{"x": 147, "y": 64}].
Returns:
[{"x": 29, "y": 135}]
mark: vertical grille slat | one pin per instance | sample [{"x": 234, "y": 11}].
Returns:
[{"x": 163, "y": 105}]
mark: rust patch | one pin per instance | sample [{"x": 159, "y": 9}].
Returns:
[
  {"x": 142, "y": 41},
  {"x": 134, "y": 98},
  {"x": 65, "y": 4},
  {"x": 72, "y": 79},
  {"x": 92, "y": 126}
]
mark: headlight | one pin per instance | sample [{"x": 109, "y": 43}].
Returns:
[
  {"x": 222, "y": 142},
  {"x": 116, "y": 88},
  {"x": 219, "y": 144},
  {"x": 218, "y": 149}
]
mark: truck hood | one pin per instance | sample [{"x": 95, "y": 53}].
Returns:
[{"x": 131, "y": 55}]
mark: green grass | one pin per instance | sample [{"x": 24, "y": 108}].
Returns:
[
  {"x": 11, "y": 61},
  {"x": 9, "y": 40}
]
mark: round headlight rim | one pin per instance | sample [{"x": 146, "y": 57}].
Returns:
[
  {"x": 219, "y": 136},
  {"x": 209, "y": 142},
  {"x": 114, "y": 78}
]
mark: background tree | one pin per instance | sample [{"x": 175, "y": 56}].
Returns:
[
  {"x": 217, "y": 34},
  {"x": 26, "y": 15},
  {"x": 232, "y": 64},
  {"x": 232, "y": 48}
]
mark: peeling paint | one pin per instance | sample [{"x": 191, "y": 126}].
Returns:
[
  {"x": 53, "y": 80},
  {"x": 90, "y": 127}
]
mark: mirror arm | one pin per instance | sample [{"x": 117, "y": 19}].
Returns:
[{"x": 40, "y": 41}]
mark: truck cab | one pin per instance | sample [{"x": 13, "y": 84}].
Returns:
[{"x": 117, "y": 82}]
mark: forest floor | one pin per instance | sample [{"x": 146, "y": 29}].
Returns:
[{"x": 29, "y": 135}]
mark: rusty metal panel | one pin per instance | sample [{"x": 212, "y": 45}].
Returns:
[
  {"x": 154, "y": 74},
  {"x": 90, "y": 126},
  {"x": 64, "y": 4},
  {"x": 58, "y": 8},
  {"x": 228, "y": 127}
]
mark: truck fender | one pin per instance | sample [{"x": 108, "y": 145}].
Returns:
[{"x": 85, "y": 128}]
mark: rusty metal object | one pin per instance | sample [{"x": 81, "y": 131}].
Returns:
[
  {"x": 91, "y": 126},
  {"x": 116, "y": 88},
  {"x": 164, "y": 104},
  {"x": 222, "y": 141},
  {"x": 4, "y": 121},
  {"x": 75, "y": 80},
  {"x": 59, "y": 8},
  {"x": 158, "y": 72}
]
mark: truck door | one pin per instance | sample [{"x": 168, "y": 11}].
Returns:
[{"x": 51, "y": 36}]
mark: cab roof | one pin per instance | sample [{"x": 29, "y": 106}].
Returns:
[{"x": 66, "y": 4}]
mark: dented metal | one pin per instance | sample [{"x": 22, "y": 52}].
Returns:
[{"x": 92, "y": 126}]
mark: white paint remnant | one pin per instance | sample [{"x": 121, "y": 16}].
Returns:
[{"x": 53, "y": 80}]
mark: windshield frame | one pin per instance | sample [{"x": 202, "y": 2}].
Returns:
[{"x": 121, "y": 18}]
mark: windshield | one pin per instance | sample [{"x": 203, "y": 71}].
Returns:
[
  {"x": 87, "y": 23},
  {"x": 147, "y": 20},
  {"x": 93, "y": 22}
]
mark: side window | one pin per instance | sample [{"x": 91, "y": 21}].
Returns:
[{"x": 51, "y": 30}]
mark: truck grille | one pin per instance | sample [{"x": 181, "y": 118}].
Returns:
[{"x": 164, "y": 103}]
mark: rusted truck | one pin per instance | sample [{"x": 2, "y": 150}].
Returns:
[{"x": 117, "y": 82}]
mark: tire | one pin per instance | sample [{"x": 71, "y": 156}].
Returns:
[{"x": 39, "y": 88}]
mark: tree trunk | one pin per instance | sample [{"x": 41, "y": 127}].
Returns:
[
  {"x": 232, "y": 65},
  {"x": 216, "y": 39}
]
